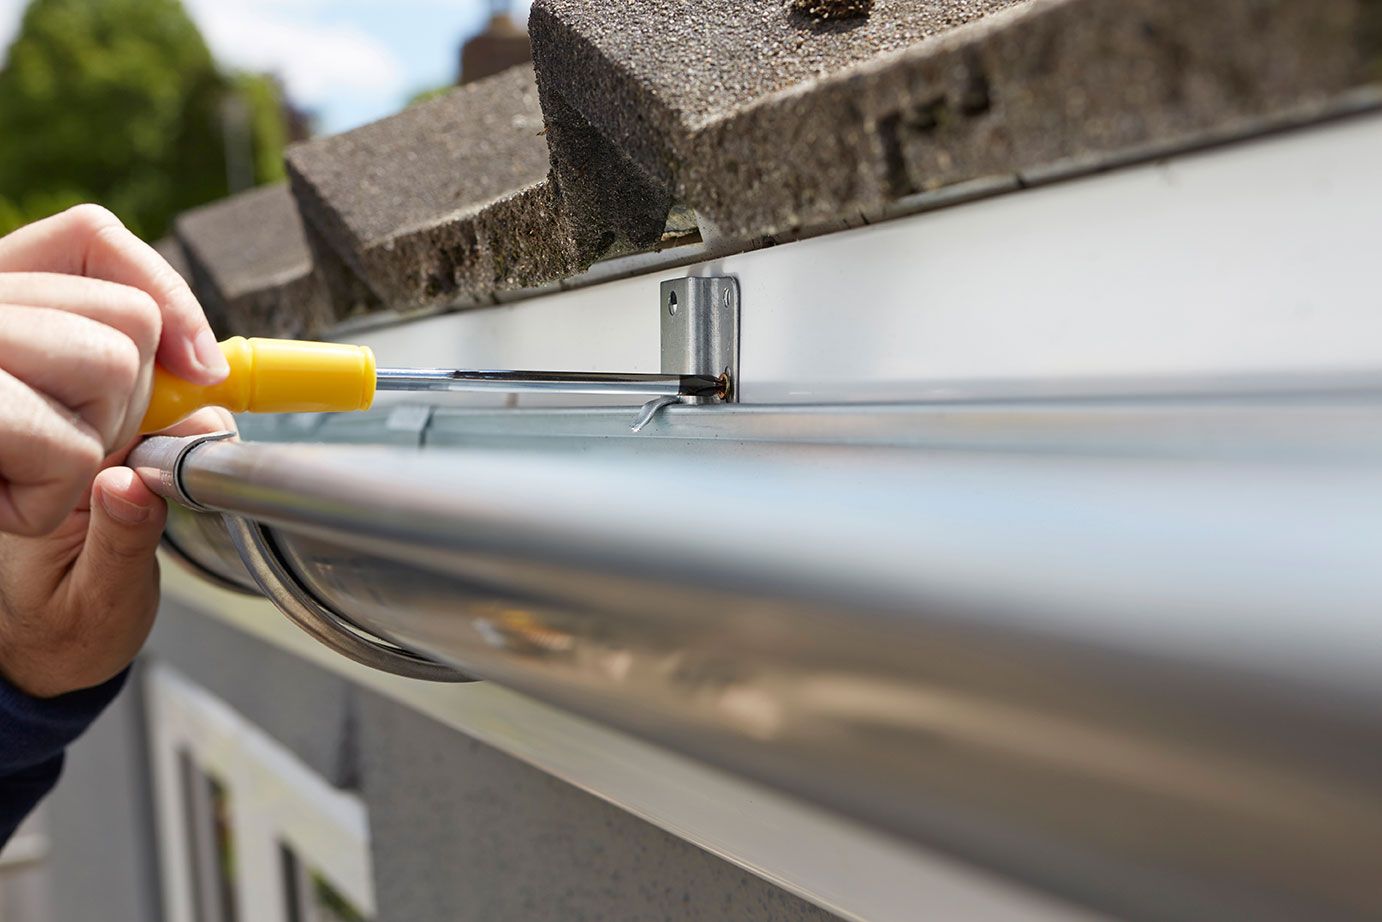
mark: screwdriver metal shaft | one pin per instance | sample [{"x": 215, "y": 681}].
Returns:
[
  {"x": 549, "y": 382},
  {"x": 287, "y": 376}
]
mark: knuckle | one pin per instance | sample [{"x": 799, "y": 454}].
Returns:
[
  {"x": 72, "y": 465},
  {"x": 76, "y": 453},
  {"x": 121, "y": 380},
  {"x": 174, "y": 291},
  {"x": 93, "y": 218},
  {"x": 62, "y": 448},
  {"x": 145, "y": 320},
  {"x": 119, "y": 362},
  {"x": 88, "y": 454},
  {"x": 82, "y": 457},
  {"x": 61, "y": 455}
]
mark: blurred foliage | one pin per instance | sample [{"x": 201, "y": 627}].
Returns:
[
  {"x": 433, "y": 93},
  {"x": 268, "y": 128},
  {"x": 119, "y": 102}
]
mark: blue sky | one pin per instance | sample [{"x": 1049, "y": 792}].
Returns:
[{"x": 348, "y": 61}]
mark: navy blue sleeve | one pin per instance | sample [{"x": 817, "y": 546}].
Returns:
[{"x": 33, "y": 734}]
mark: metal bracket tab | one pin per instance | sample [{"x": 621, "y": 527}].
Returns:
[
  {"x": 410, "y": 420},
  {"x": 700, "y": 336},
  {"x": 700, "y": 329}
]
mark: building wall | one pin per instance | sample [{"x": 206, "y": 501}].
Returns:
[
  {"x": 102, "y": 850},
  {"x": 25, "y": 893},
  {"x": 459, "y": 830}
]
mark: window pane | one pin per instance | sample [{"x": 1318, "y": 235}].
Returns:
[
  {"x": 310, "y": 897},
  {"x": 211, "y": 842}
]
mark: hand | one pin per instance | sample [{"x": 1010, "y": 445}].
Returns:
[
  {"x": 77, "y": 604},
  {"x": 85, "y": 310}
]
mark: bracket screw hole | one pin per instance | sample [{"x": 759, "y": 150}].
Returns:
[{"x": 671, "y": 303}]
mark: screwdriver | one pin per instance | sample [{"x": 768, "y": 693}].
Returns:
[{"x": 294, "y": 376}]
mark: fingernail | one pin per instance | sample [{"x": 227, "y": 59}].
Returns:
[
  {"x": 209, "y": 355},
  {"x": 122, "y": 510}
]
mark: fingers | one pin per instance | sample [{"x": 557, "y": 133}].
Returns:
[
  {"x": 128, "y": 310},
  {"x": 90, "y": 241},
  {"x": 92, "y": 369},
  {"x": 126, "y": 517},
  {"x": 48, "y": 455}
]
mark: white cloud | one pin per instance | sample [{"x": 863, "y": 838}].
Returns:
[
  {"x": 324, "y": 51},
  {"x": 11, "y": 11},
  {"x": 281, "y": 37},
  {"x": 315, "y": 60}
]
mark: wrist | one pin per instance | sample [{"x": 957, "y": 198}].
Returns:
[
  {"x": 36, "y": 730},
  {"x": 51, "y": 674}
]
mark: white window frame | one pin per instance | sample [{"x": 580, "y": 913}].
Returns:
[{"x": 275, "y": 799}]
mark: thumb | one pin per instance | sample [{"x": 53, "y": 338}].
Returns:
[
  {"x": 125, "y": 528},
  {"x": 112, "y": 588}
]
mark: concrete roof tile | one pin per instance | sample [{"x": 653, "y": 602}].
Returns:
[
  {"x": 412, "y": 204},
  {"x": 766, "y": 119},
  {"x": 758, "y": 117},
  {"x": 248, "y": 263}
]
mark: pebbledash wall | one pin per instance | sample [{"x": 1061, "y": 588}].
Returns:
[{"x": 456, "y": 830}]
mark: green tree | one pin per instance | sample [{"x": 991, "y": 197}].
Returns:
[
  {"x": 268, "y": 129},
  {"x": 120, "y": 102}
]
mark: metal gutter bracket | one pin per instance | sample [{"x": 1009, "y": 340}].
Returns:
[
  {"x": 281, "y": 586},
  {"x": 159, "y": 461},
  {"x": 700, "y": 336}
]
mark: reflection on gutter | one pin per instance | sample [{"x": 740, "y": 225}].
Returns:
[{"x": 520, "y": 630}]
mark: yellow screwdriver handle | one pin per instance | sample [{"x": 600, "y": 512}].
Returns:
[{"x": 270, "y": 376}]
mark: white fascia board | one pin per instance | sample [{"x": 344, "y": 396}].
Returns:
[{"x": 1255, "y": 260}]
